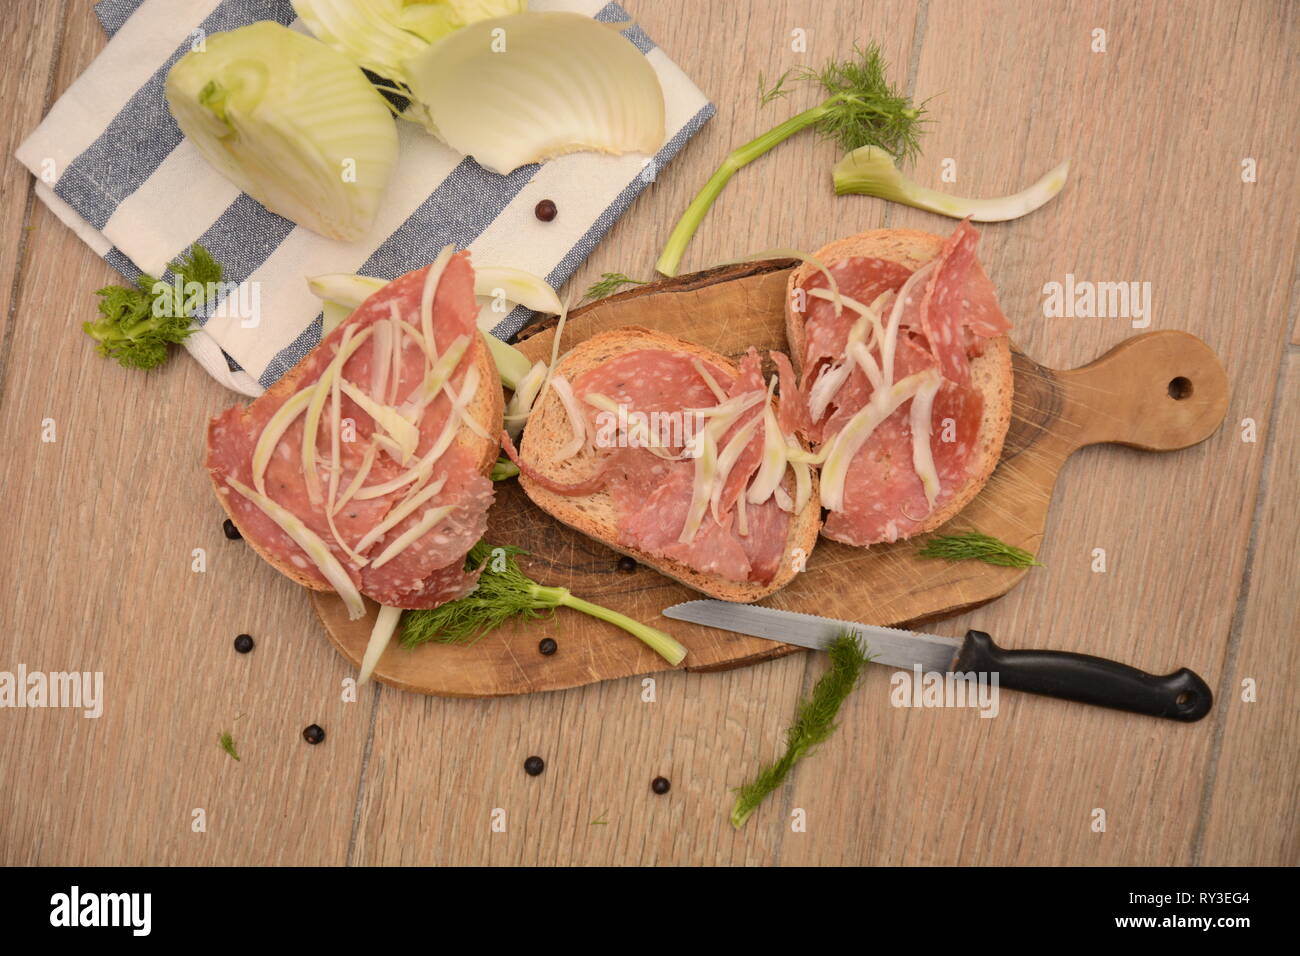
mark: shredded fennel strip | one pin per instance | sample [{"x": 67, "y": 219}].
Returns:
[
  {"x": 418, "y": 337},
  {"x": 705, "y": 465},
  {"x": 783, "y": 499},
  {"x": 347, "y": 345},
  {"x": 705, "y": 448},
  {"x": 383, "y": 356},
  {"x": 395, "y": 360},
  {"x": 425, "y": 464},
  {"x": 727, "y": 461},
  {"x": 830, "y": 379},
  {"x": 813, "y": 261},
  {"x": 522, "y": 401},
  {"x": 315, "y": 548},
  {"x": 630, "y": 429},
  {"x": 432, "y": 279},
  {"x": 555, "y": 345},
  {"x": 385, "y": 627},
  {"x": 577, "y": 421},
  {"x": 842, "y": 448},
  {"x": 284, "y": 416},
  {"x": 335, "y": 467},
  {"x": 922, "y": 455},
  {"x": 395, "y": 516},
  {"x": 436, "y": 379},
  {"x": 426, "y": 524},
  {"x": 359, "y": 478},
  {"x": 709, "y": 380},
  {"x": 802, "y": 475},
  {"x": 772, "y": 467},
  {"x": 402, "y": 432}
]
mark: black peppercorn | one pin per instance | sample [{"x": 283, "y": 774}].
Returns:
[
  {"x": 231, "y": 531},
  {"x": 313, "y": 734},
  {"x": 660, "y": 785},
  {"x": 244, "y": 643},
  {"x": 534, "y": 766},
  {"x": 547, "y": 646},
  {"x": 545, "y": 210},
  {"x": 626, "y": 565}
]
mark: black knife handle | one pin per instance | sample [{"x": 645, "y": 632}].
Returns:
[{"x": 1181, "y": 695}]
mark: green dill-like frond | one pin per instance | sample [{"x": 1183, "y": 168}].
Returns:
[
  {"x": 198, "y": 266},
  {"x": 814, "y": 723},
  {"x": 503, "y": 592},
  {"x": 972, "y": 545},
  {"x": 766, "y": 94},
  {"x": 227, "y": 742},
  {"x": 130, "y": 332},
  {"x": 610, "y": 282},
  {"x": 868, "y": 111}
]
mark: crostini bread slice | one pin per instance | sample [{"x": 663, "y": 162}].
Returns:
[
  {"x": 991, "y": 372},
  {"x": 486, "y": 408},
  {"x": 548, "y": 430}
]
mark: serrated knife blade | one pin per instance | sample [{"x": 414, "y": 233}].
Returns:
[{"x": 887, "y": 645}]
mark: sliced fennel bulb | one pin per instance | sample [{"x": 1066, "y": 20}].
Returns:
[
  {"x": 385, "y": 626},
  {"x": 870, "y": 171},
  {"x": 382, "y": 35},
  {"x": 290, "y": 122},
  {"x": 522, "y": 89},
  {"x": 521, "y": 403}
]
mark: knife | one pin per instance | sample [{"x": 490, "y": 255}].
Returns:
[{"x": 1181, "y": 695}]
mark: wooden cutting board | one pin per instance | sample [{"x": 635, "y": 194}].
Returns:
[{"x": 1159, "y": 391}]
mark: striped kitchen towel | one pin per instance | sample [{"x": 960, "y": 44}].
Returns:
[{"x": 112, "y": 164}]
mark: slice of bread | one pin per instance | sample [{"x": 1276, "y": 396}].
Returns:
[
  {"x": 487, "y": 408},
  {"x": 991, "y": 373},
  {"x": 548, "y": 430}
]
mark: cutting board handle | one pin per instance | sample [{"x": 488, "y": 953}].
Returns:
[{"x": 1159, "y": 391}]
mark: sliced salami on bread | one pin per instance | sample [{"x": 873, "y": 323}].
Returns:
[
  {"x": 638, "y": 501},
  {"x": 399, "y": 492},
  {"x": 951, "y": 323}
]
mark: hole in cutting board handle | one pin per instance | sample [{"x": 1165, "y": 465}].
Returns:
[{"x": 1180, "y": 388}]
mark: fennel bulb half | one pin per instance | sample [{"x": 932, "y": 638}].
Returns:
[{"x": 291, "y": 122}]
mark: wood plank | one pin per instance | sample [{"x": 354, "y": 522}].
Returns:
[
  {"x": 31, "y": 40},
  {"x": 1252, "y": 816}
]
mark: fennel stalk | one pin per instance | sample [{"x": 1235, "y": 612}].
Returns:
[
  {"x": 870, "y": 171},
  {"x": 505, "y": 592},
  {"x": 861, "y": 110}
]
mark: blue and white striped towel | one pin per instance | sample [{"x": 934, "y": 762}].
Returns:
[{"x": 112, "y": 164}]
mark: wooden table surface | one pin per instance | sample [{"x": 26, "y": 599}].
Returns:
[{"x": 98, "y": 527}]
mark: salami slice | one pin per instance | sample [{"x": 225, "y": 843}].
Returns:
[
  {"x": 357, "y": 467},
  {"x": 949, "y": 313},
  {"x": 792, "y": 414},
  {"x": 959, "y": 297}
]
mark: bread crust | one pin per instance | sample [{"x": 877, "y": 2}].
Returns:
[
  {"x": 548, "y": 429},
  {"x": 991, "y": 371}
]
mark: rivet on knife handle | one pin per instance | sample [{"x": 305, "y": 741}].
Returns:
[{"x": 1181, "y": 695}]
